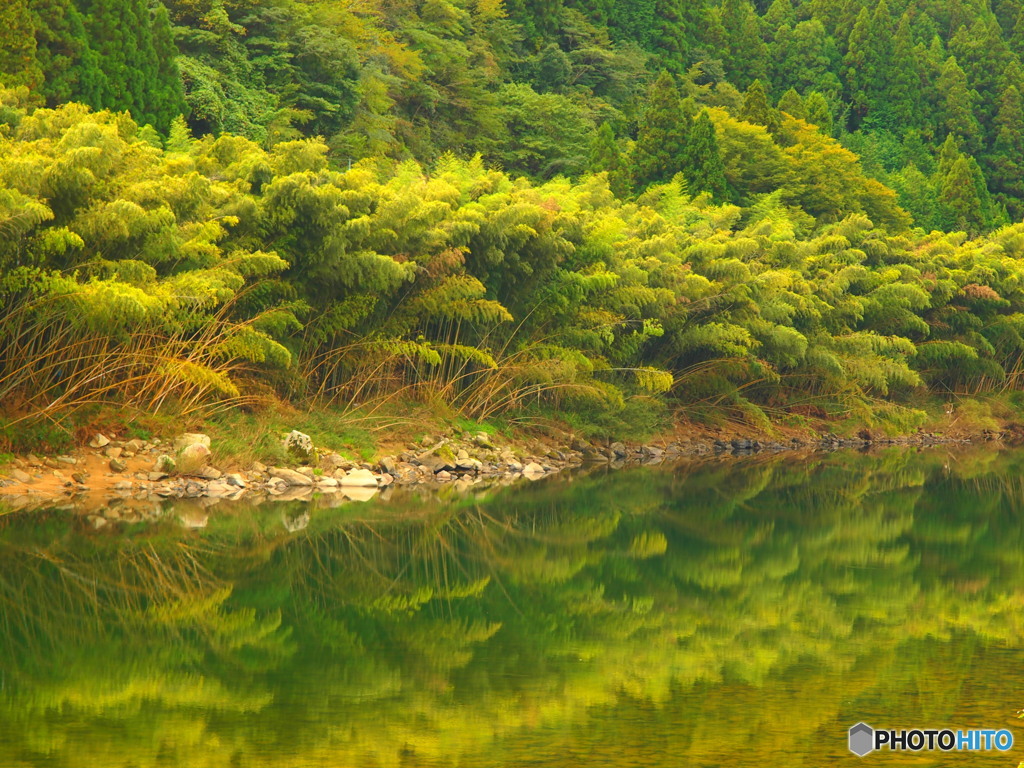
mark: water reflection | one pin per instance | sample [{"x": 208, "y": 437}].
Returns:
[{"x": 741, "y": 613}]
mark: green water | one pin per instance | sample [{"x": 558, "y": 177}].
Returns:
[{"x": 736, "y": 613}]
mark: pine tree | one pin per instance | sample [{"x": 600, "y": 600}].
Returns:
[
  {"x": 806, "y": 58},
  {"x": 663, "y": 134},
  {"x": 702, "y": 163}
]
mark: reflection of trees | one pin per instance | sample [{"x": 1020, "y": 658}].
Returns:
[{"x": 677, "y": 603}]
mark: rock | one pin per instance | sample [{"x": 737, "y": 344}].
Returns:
[
  {"x": 483, "y": 440},
  {"x": 307, "y": 471},
  {"x": 98, "y": 440},
  {"x": 116, "y": 465},
  {"x": 67, "y": 460},
  {"x": 165, "y": 463},
  {"x": 443, "y": 475},
  {"x": 515, "y": 466},
  {"x": 358, "y": 478},
  {"x": 388, "y": 464},
  {"x": 122, "y": 485},
  {"x": 258, "y": 466},
  {"x": 137, "y": 445},
  {"x": 96, "y": 521},
  {"x": 619, "y": 450},
  {"x": 533, "y": 468},
  {"x": 58, "y": 474},
  {"x": 156, "y": 476},
  {"x": 51, "y": 463},
  {"x": 435, "y": 463},
  {"x": 327, "y": 482},
  {"x": 290, "y": 476},
  {"x": 78, "y": 477},
  {"x": 462, "y": 454},
  {"x": 211, "y": 473},
  {"x": 113, "y": 452},
  {"x": 33, "y": 460},
  {"x": 300, "y": 447},
  {"x": 220, "y": 488},
  {"x": 236, "y": 480},
  {"x": 385, "y": 479},
  {"x": 468, "y": 465},
  {"x": 21, "y": 477},
  {"x": 192, "y": 458},
  {"x": 191, "y": 438},
  {"x": 334, "y": 460}
]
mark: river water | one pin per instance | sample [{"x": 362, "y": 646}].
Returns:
[{"x": 734, "y": 613}]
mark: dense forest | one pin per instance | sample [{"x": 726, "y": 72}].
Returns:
[{"x": 598, "y": 209}]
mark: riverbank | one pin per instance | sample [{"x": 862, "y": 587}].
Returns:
[{"x": 196, "y": 465}]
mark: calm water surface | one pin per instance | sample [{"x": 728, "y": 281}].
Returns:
[{"x": 737, "y": 613}]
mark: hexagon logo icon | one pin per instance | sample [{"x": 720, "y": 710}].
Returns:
[{"x": 862, "y": 739}]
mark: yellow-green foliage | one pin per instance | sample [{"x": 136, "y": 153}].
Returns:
[{"x": 491, "y": 291}]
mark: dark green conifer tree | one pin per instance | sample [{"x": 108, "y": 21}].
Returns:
[
  {"x": 663, "y": 134},
  {"x": 747, "y": 58},
  {"x": 757, "y": 110},
  {"x": 1006, "y": 161},
  {"x": 18, "y": 64},
  {"x": 605, "y": 155},
  {"x": 70, "y": 65},
  {"x": 792, "y": 104},
  {"x": 819, "y": 112},
  {"x": 702, "y": 163}
]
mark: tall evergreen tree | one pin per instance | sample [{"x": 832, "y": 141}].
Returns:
[
  {"x": 702, "y": 163},
  {"x": 70, "y": 65},
  {"x": 1006, "y": 161},
  {"x": 792, "y": 104},
  {"x": 819, "y": 112},
  {"x": 663, "y": 134},
  {"x": 18, "y": 45},
  {"x": 606, "y": 156},
  {"x": 905, "y": 105},
  {"x": 957, "y": 103},
  {"x": 961, "y": 207},
  {"x": 747, "y": 58},
  {"x": 757, "y": 109}
]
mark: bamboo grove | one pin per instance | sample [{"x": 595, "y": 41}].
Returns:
[{"x": 197, "y": 270}]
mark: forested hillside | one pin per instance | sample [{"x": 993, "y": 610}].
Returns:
[{"x": 595, "y": 208}]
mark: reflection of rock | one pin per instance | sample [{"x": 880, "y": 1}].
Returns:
[
  {"x": 294, "y": 493},
  {"x": 356, "y": 493},
  {"x": 297, "y": 522},
  {"x": 192, "y": 517}
]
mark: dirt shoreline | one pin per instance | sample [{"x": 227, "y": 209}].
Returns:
[{"x": 109, "y": 469}]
